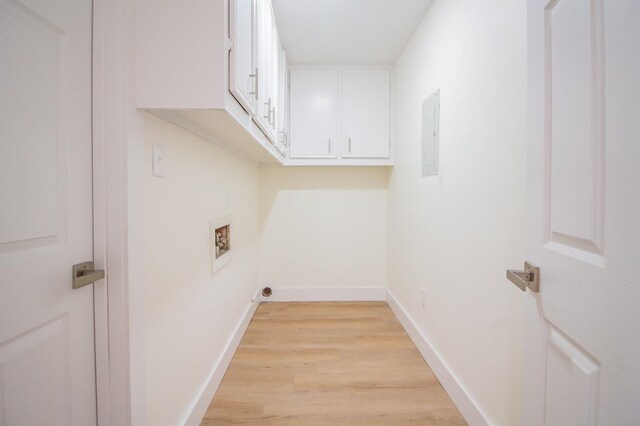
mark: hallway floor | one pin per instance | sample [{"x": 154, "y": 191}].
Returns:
[{"x": 329, "y": 363}]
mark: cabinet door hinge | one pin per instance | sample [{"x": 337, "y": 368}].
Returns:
[{"x": 229, "y": 44}]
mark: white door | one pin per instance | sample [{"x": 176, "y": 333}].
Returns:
[
  {"x": 242, "y": 73},
  {"x": 314, "y": 96},
  {"x": 365, "y": 114},
  {"x": 47, "y": 359},
  {"x": 582, "y": 354}
]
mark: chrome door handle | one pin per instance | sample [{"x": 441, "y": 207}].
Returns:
[
  {"x": 84, "y": 274},
  {"x": 528, "y": 278}
]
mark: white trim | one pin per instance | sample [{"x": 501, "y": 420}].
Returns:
[
  {"x": 199, "y": 406},
  {"x": 333, "y": 161},
  {"x": 100, "y": 288},
  {"x": 451, "y": 384},
  {"x": 341, "y": 67},
  {"x": 353, "y": 294},
  {"x": 118, "y": 226}
]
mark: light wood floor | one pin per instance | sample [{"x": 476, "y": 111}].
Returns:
[{"x": 329, "y": 364}]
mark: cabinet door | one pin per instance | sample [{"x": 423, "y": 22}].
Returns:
[
  {"x": 262, "y": 40},
  {"x": 242, "y": 72},
  {"x": 274, "y": 74},
  {"x": 365, "y": 114},
  {"x": 314, "y": 96},
  {"x": 283, "y": 101}
]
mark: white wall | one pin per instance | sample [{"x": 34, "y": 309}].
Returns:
[
  {"x": 323, "y": 227},
  {"x": 311, "y": 227},
  {"x": 455, "y": 234},
  {"x": 190, "y": 315}
]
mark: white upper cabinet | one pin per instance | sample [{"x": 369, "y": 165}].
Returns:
[
  {"x": 218, "y": 69},
  {"x": 209, "y": 67},
  {"x": 365, "y": 114},
  {"x": 340, "y": 116},
  {"x": 314, "y": 114},
  {"x": 242, "y": 73}
]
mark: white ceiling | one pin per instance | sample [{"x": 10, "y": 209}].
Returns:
[{"x": 347, "y": 31}]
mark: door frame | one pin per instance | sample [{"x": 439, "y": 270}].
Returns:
[
  {"x": 118, "y": 155},
  {"x": 535, "y": 327}
]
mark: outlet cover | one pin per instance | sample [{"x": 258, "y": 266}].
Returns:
[{"x": 221, "y": 241}]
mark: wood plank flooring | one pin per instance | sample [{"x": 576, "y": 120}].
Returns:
[{"x": 343, "y": 363}]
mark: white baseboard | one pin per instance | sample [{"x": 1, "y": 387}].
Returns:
[
  {"x": 458, "y": 394},
  {"x": 198, "y": 408},
  {"x": 353, "y": 294}
]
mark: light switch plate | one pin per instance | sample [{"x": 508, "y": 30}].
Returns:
[{"x": 158, "y": 160}]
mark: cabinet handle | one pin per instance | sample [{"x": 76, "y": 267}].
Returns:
[
  {"x": 329, "y": 145},
  {"x": 268, "y": 105},
  {"x": 349, "y": 145},
  {"x": 273, "y": 113},
  {"x": 255, "y": 83},
  {"x": 253, "y": 92},
  {"x": 285, "y": 137}
]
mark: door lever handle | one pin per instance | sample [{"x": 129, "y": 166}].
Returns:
[
  {"x": 84, "y": 274},
  {"x": 528, "y": 278}
]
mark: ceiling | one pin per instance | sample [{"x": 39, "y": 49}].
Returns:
[{"x": 347, "y": 31}]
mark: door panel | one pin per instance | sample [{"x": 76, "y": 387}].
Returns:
[
  {"x": 274, "y": 68},
  {"x": 574, "y": 73},
  {"x": 365, "y": 114},
  {"x": 571, "y": 396},
  {"x": 47, "y": 359},
  {"x": 265, "y": 39},
  {"x": 282, "y": 101},
  {"x": 262, "y": 43},
  {"x": 42, "y": 352},
  {"x": 32, "y": 49},
  {"x": 242, "y": 72},
  {"x": 581, "y": 358},
  {"x": 313, "y": 125}
]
